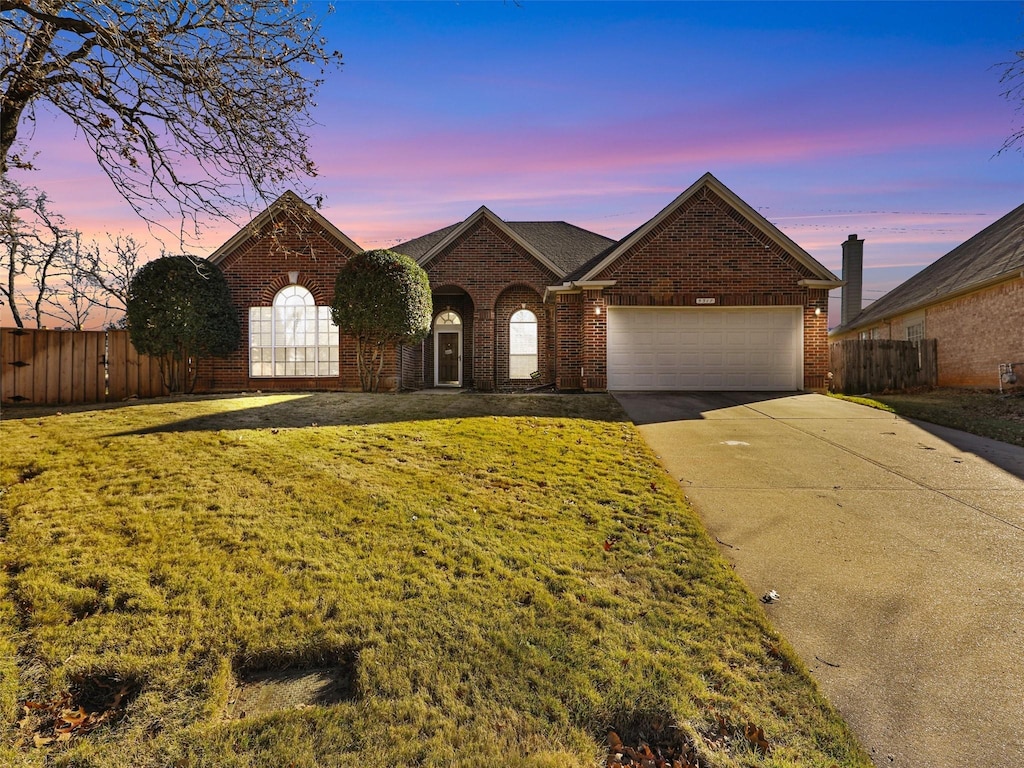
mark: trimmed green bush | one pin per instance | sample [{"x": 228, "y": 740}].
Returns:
[
  {"x": 179, "y": 310},
  {"x": 381, "y": 298}
]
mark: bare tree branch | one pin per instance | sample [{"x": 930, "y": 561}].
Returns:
[
  {"x": 32, "y": 242},
  {"x": 190, "y": 106},
  {"x": 1013, "y": 81}
]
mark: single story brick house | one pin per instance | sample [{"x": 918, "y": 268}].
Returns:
[
  {"x": 706, "y": 295},
  {"x": 971, "y": 301}
]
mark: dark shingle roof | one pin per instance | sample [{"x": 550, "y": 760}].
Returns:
[
  {"x": 598, "y": 257},
  {"x": 418, "y": 247},
  {"x": 565, "y": 245},
  {"x": 996, "y": 251}
]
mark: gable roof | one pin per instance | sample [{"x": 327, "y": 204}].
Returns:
[
  {"x": 559, "y": 246},
  {"x": 287, "y": 201},
  {"x": 994, "y": 254},
  {"x": 823, "y": 278},
  {"x": 418, "y": 247}
]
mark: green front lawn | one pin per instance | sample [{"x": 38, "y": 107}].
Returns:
[
  {"x": 980, "y": 412},
  {"x": 497, "y": 581}
]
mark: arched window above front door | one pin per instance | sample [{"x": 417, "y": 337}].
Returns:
[
  {"x": 448, "y": 318},
  {"x": 522, "y": 344}
]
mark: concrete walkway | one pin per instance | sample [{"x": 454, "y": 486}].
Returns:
[{"x": 897, "y": 550}]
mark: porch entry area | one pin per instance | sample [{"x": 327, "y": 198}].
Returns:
[{"x": 448, "y": 329}]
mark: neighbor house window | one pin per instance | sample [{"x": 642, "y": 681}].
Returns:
[
  {"x": 294, "y": 337},
  {"x": 915, "y": 332},
  {"x": 522, "y": 344}
]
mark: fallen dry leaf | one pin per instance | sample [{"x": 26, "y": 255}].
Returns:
[
  {"x": 42, "y": 741},
  {"x": 723, "y": 727},
  {"x": 756, "y": 737},
  {"x": 74, "y": 717}
]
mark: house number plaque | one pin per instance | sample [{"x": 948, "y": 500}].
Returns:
[{"x": 706, "y": 301}]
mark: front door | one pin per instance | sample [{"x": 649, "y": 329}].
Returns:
[
  {"x": 448, "y": 358},
  {"x": 448, "y": 349}
]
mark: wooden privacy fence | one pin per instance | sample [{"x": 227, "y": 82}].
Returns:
[
  {"x": 63, "y": 367},
  {"x": 876, "y": 365}
]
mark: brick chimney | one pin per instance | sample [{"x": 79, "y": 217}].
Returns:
[{"x": 853, "y": 274}]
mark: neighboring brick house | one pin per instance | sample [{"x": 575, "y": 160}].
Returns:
[
  {"x": 707, "y": 295},
  {"x": 971, "y": 301}
]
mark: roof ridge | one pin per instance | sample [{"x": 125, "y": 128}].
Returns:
[{"x": 980, "y": 264}]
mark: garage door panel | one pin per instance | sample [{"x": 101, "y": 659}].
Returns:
[{"x": 724, "y": 348}]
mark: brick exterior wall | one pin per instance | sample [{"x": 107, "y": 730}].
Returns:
[
  {"x": 509, "y": 302},
  {"x": 816, "y": 354},
  {"x": 975, "y": 333},
  {"x": 594, "y": 336},
  {"x": 707, "y": 249},
  {"x": 703, "y": 249},
  {"x": 496, "y": 274},
  {"x": 255, "y": 272},
  {"x": 568, "y": 341}
]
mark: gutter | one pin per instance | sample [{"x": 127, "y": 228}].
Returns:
[
  {"x": 572, "y": 286},
  {"x": 828, "y": 284}
]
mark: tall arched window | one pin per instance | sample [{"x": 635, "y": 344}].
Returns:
[
  {"x": 522, "y": 344},
  {"x": 294, "y": 337}
]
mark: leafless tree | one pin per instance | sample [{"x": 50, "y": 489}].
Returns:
[
  {"x": 89, "y": 286},
  {"x": 190, "y": 106},
  {"x": 1013, "y": 81},
  {"x": 107, "y": 273},
  {"x": 69, "y": 299},
  {"x": 33, "y": 241}
]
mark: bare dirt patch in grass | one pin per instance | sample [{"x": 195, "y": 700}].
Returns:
[
  {"x": 272, "y": 683},
  {"x": 261, "y": 693},
  {"x": 90, "y": 702}
]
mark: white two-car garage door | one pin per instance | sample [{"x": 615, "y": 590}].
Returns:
[{"x": 724, "y": 348}]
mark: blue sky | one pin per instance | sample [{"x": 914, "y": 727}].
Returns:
[{"x": 881, "y": 119}]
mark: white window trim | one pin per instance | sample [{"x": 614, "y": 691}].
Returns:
[
  {"x": 322, "y": 354},
  {"x": 531, "y": 357},
  {"x": 913, "y": 321}
]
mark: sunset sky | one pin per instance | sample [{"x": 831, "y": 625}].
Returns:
[{"x": 881, "y": 119}]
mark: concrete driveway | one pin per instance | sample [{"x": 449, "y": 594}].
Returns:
[{"x": 897, "y": 549}]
